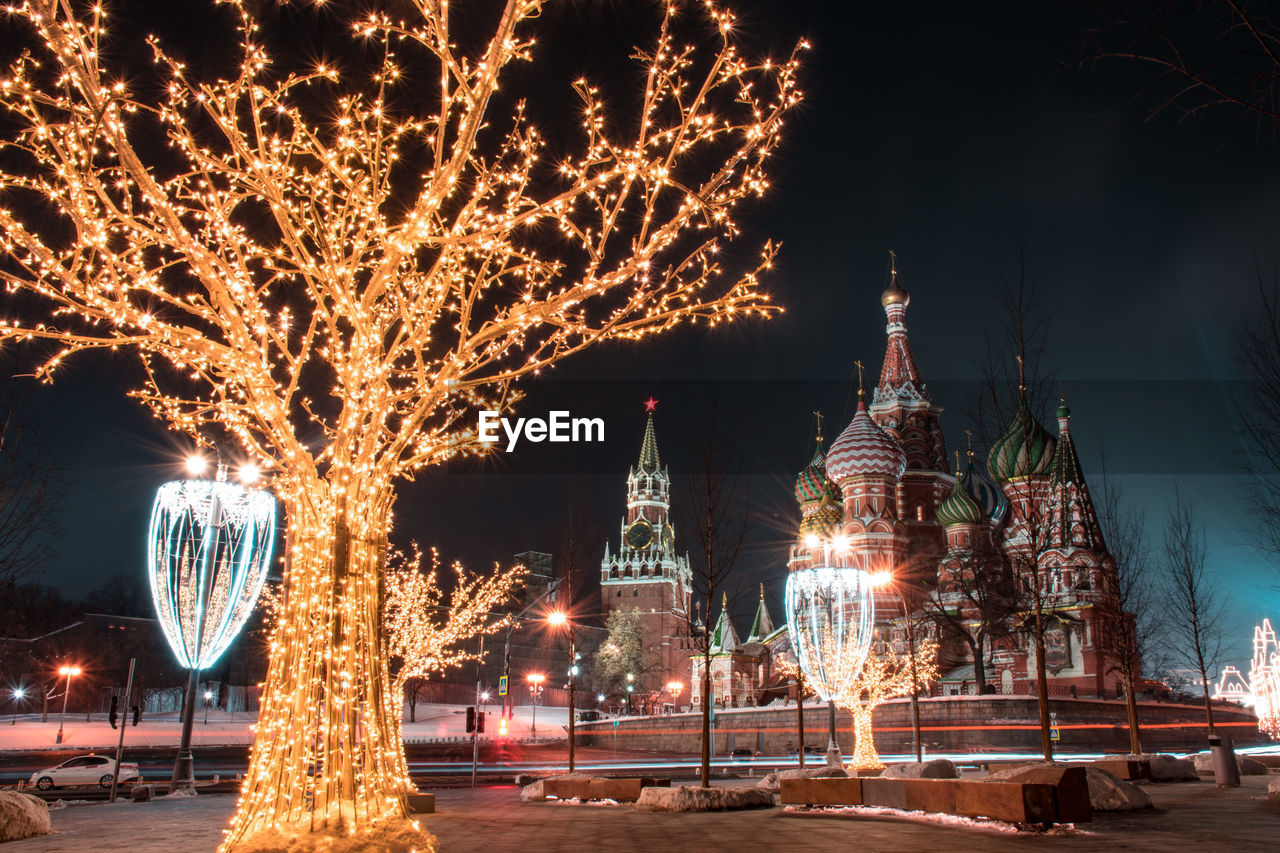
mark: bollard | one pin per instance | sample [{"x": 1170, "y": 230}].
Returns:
[{"x": 1226, "y": 772}]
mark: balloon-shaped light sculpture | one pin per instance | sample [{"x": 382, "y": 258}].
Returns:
[
  {"x": 830, "y": 615},
  {"x": 208, "y": 550}
]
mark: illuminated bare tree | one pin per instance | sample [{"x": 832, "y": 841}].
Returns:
[
  {"x": 888, "y": 672},
  {"x": 336, "y": 266}
]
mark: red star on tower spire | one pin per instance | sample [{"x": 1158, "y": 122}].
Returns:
[{"x": 650, "y": 404}]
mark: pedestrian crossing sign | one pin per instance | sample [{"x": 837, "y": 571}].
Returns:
[{"x": 502, "y": 685}]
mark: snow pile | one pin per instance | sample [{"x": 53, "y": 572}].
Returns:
[
  {"x": 1167, "y": 768},
  {"x": 396, "y": 836},
  {"x": 62, "y": 804},
  {"x": 938, "y": 768},
  {"x": 773, "y": 782},
  {"x": 1248, "y": 766},
  {"x": 22, "y": 816},
  {"x": 1107, "y": 792},
  {"x": 938, "y": 819},
  {"x": 690, "y": 798},
  {"x": 574, "y": 801}
]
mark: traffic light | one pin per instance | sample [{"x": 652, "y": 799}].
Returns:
[
  {"x": 480, "y": 722},
  {"x": 471, "y": 720},
  {"x": 114, "y": 713},
  {"x": 137, "y": 714}
]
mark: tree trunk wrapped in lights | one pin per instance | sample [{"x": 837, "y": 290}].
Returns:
[
  {"x": 885, "y": 674},
  {"x": 336, "y": 269}
]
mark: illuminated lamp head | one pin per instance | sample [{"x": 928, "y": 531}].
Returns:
[{"x": 208, "y": 548}]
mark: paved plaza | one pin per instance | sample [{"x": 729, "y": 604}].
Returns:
[{"x": 1189, "y": 816}]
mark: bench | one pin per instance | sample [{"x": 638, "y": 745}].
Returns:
[
  {"x": 627, "y": 789},
  {"x": 1126, "y": 769},
  {"x": 1064, "y": 800}
]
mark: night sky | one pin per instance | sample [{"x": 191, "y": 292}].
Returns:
[{"x": 959, "y": 135}]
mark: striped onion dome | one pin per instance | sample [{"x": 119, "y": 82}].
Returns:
[
  {"x": 987, "y": 493},
  {"x": 960, "y": 508},
  {"x": 864, "y": 448},
  {"x": 1025, "y": 449}
]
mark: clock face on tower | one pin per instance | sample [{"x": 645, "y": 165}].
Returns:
[{"x": 640, "y": 534}]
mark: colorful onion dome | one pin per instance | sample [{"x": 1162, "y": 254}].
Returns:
[
  {"x": 823, "y": 521},
  {"x": 987, "y": 493},
  {"x": 813, "y": 484},
  {"x": 864, "y": 448},
  {"x": 960, "y": 508},
  {"x": 1025, "y": 449}
]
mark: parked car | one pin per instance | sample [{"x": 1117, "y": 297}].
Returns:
[
  {"x": 808, "y": 750},
  {"x": 740, "y": 753},
  {"x": 83, "y": 770}
]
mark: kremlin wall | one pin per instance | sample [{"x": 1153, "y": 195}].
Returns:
[{"x": 948, "y": 724}]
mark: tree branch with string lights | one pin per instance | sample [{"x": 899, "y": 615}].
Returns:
[{"x": 337, "y": 266}]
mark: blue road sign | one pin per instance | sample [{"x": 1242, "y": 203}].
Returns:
[{"x": 502, "y": 685}]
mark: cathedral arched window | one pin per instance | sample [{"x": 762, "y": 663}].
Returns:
[
  {"x": 635, "y": 593},
  {"x": 919, "y": 512}
]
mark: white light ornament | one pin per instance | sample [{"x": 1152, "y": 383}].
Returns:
[
  {"x": 208, "y": 550},
  {"x": 830, "y": 618}
]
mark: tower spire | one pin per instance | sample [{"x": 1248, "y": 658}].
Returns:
[{"x": 649, "y": 446}]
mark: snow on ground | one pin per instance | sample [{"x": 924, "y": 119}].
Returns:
[
  {"x": 938, "y": 819},
  {"x": 433, "y": 722}
]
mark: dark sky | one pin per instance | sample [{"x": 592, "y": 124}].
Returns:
[{"x": 958, "y": 135}]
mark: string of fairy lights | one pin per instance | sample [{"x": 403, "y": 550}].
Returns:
[
  {"x": 277, "y": 297},
  {"x": 862, "y": 685}
]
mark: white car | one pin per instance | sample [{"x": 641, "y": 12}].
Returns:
[{"x": 83, "y": 770}]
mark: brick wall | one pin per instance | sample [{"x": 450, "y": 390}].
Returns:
[{"x": 948, "y": 724}]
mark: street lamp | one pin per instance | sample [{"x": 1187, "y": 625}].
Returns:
[
  {"x": 558, "y": 619},
  {"x": 208, "y": 700},
  {"x": 884, "y": 580},
  {"x": 829, "y": 617},
  {"x": 208, "y": 550},
  {"x": 506, "y": 650},
  {"x": 68, "y": 671},
  {"x": 19, "y": 694},
  {"x": 675, "y": 688},
  {"x": 535, "y": 680}
]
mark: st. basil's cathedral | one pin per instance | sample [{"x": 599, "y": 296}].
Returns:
[{"x": 964, "y": 551}]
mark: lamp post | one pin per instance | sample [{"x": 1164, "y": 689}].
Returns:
[
  {"x": 885, "y": 580},
  {"x": 69, "y": 672},
  {"x": 19, "y": 694},
  {"x": 208, "y": 700},
  {"x": 675, "y": 688},
  {"x": 535, "y": 680},
  {"x": 560, "y": 619},
  {"x": 630, "y": 687},
  {"x": 829, "y": 614},
  {"x": 506, "y": 649},
  {"x": 209, "y": 547}
]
